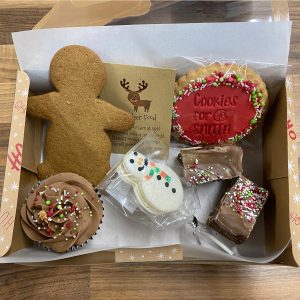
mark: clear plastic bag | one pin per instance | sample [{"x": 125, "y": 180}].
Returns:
[
  {"x": 144, "y": 188},
  {"x": 192, "y": 11}
]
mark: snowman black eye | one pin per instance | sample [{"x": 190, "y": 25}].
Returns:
[
  {"x": 135, "y": 153},
  {"x": 167, "y": 184},
  {"x": 132, "y": 161},
  {"x": 158, "y": 177},
  {"x": 173, "y": 190}
]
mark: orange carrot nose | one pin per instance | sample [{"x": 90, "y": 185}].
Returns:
[{"x": 140, "y": 161}]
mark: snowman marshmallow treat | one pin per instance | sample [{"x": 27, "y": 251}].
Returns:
[{"x": 157, "y": 187}]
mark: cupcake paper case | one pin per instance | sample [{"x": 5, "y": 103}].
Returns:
[
  {"x": 220, "y": 103},
  {"x": 62, "y": 212}
]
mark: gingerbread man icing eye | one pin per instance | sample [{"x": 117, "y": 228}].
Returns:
[{"x": 157, "y": 187}]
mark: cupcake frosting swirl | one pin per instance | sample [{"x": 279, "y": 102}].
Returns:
[{"x": 63, "y": 211}]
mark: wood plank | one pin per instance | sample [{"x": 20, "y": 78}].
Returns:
[
  {"x": 23, "y": 282},
  {"x": 192, "y": 280},
  {"x": 37, "y": 4},
  {"x": 18, "y": 19}
]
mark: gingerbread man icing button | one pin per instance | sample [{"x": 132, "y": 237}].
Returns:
[
  {"x": 218, "y": 104},
  {"x": 77, "y": 141}
]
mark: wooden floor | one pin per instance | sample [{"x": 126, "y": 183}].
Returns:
[{"x": 181, "y": 280}]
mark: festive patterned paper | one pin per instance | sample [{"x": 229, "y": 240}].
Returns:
[
  {"x": 293, "y": 174},
  {"x": 13, "y": 164},
  {"x": 169, "y": 253}
]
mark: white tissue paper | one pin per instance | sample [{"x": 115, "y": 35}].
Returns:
[{"x": 262, "y": 45}]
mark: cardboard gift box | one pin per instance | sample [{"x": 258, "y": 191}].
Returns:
[{"x": 280, "y": 166}]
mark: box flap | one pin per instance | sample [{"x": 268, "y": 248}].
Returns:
[
  {"x": 13, "y": 164},
  {"x": 274, "y": 142},
  {"x": 293, "y": 173},
  {"x": 76, "y": 13}
]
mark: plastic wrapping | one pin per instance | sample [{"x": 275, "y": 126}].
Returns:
[
  {"x": 145, "y": 189},
  {"x": 178, "y": 11},
  {"x": 218, "y": 103}
]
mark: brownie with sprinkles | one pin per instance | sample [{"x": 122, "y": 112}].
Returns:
[
  {"x": 238, "y": 210},
  {"x": 208, "y": 164}
]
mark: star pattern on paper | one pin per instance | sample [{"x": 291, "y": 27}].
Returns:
[
  {"x": 14, "y": 187},
  {"x": 15, "y": 134},
  {"x": 296, "y": 198},
  {"x": 290, "y": 101},
  {"x": 288, "y": 83},
  {"x": 160, "y": 256},
  {"x": 132, "y": 257},
  {"x": 1, "y": 238},
  {"x": 298, "y": 245},
  {"x": 15, "y": 117},
  {"x": 289, "y": 112},
  {"x": 295, "y": 177},
  {"x": 5, "y": 199},
  {"x": 24, "y": 93},
  {"x": 291, "y": 167},
  {"x": 20, "y": 80}
]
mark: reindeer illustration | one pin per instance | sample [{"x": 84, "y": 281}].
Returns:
[{"x": 134, "y": 97}]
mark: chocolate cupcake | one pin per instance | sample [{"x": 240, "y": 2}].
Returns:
[{"x": 62, "y": 212}]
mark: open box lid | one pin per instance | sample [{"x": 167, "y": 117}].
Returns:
[
  {"x": 7, "y": 219},
  {"x": 284, "y": 171}
]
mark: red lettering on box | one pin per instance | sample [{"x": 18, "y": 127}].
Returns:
[
  {"x": 16, "y": 158},
  {"x": 20, "y": 107},
  {"x": 9, "y": 222},
  {"x": 292, "y": 133},
  {"x": 295, "y": 218},
  {"x": 4, "y": 216},
  {"x": 6, "y": 221}
]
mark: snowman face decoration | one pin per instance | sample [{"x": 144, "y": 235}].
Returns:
[
  {"x": 136, "y": 165},
  {"x": 156, "y": 186}
]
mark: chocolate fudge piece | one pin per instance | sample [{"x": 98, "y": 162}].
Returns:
[
  {"x": 207, "y": 164},
  {"x": 237, "y": 211}
]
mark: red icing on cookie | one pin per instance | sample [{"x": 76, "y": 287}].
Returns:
[{"x": 214, "y": 114}]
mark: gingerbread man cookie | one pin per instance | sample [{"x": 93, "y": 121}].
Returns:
[{"x": 77, "y": 140}]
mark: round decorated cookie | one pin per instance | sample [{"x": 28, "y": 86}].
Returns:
[
  {"x": 218, "y": 104},
  {"x": 157, "y": 187}
]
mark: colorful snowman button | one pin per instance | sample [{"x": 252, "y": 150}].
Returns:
[{"x": 157, "y": 187}]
